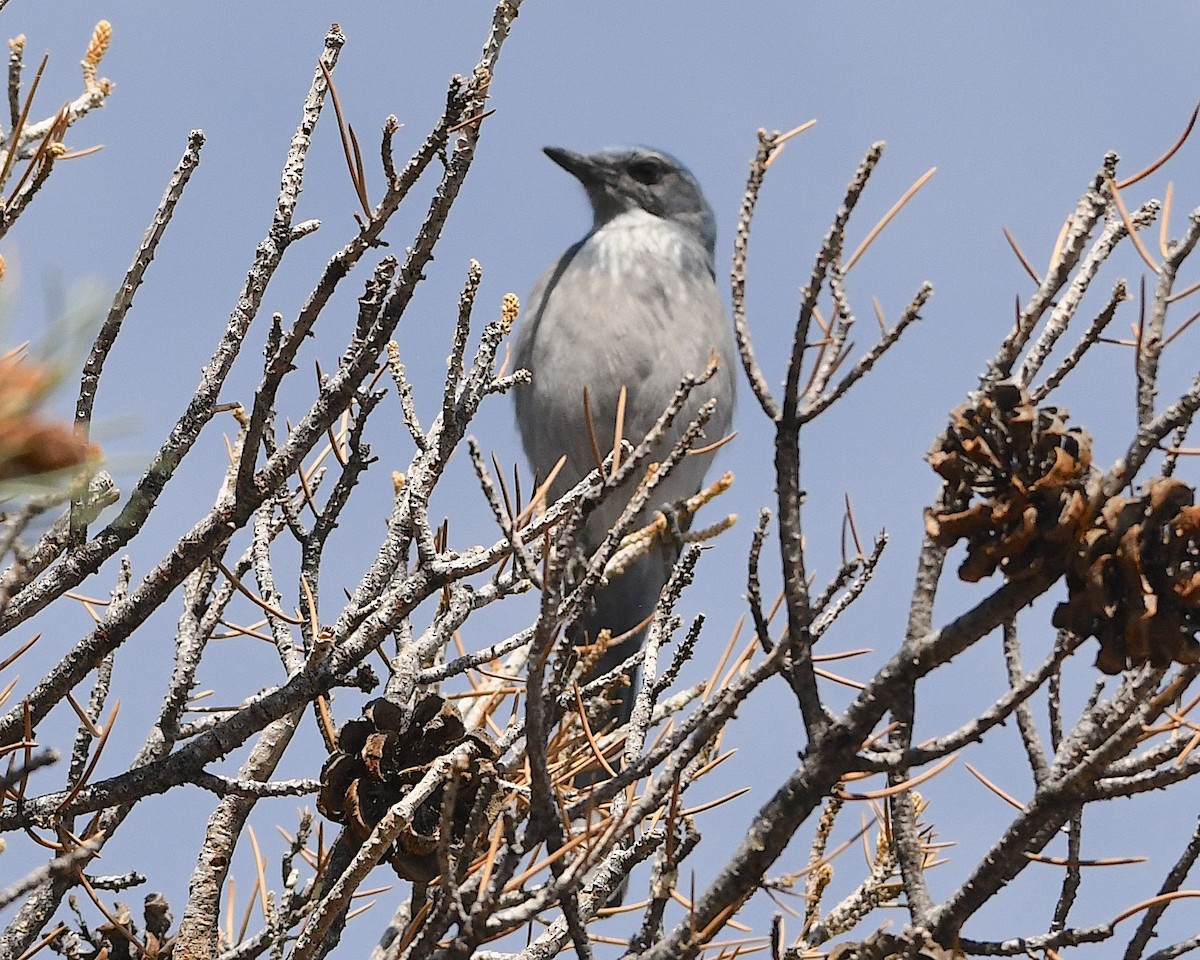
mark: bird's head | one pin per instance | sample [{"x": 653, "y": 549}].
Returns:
[{"x": 638, "y": 178}]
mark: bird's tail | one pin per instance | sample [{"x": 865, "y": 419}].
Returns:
[{"x": 627, "y": 602}]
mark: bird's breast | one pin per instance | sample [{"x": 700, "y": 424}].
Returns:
[
  {"x": 638, "y": 244},
  {"x": 633, "y": 307}
]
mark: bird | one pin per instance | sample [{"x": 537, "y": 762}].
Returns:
[{"x": 632, "y": 305}]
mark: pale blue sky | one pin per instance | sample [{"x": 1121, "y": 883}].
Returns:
[{"x": 1015, "y": 104}]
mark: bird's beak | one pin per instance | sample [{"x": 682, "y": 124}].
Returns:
[{"x": 583, "y": 168}]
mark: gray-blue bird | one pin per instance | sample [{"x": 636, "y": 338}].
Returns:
[{"x": 633, "y": 304}]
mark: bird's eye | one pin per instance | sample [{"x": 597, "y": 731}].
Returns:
[{"x": 647, "y": 170}]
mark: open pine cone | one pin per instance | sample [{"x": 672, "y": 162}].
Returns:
[
  {"x": 1016, "y": 477},
  {"x": 379, "y": 759},
  {"x": 1135, "y": 583}
]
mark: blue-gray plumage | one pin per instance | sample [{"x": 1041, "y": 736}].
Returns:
[{"x": 633, "y": 304}]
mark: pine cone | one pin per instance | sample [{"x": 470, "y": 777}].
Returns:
[
  {"x": 31, "y": 445},
  {"x": 379, "y": 758},
  {"x": 1135, "y": 583},
  {"x": 1030, "y": 471}
]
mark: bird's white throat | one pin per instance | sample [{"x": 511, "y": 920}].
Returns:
[{"x": 625, "y": 244}]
